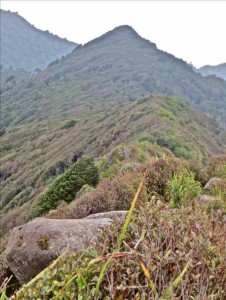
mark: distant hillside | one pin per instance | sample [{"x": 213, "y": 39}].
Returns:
[
  {"x": 118, "y": 67},
  {"x": 11, "y": 76},
  {"x": 32, "y": 155},
  {"x": 219, "y": 71},
  {"x": 25, "y": 47}
]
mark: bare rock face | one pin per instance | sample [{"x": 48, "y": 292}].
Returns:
[
  {"x": 211, "y": 183},
  {"x": 33, "y": 246}
]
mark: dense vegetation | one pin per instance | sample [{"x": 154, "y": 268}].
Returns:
[
  {"x": 25, "y": 47},
  {"x": 101, "y": 100},
  {"x": 164, "y": 253},
  {"x": 67, "y": 185},
  {"x": 33, "y": 156},
  {"x": 219, "y": 71},
  {"x": 11, "y": 76},
  {"x": 119, "y": 67}
]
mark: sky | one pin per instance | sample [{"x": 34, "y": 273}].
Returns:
[{"x": 191, "y": 30}]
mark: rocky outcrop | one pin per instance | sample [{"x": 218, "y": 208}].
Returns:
[
  {"x": 117, "y": 214},
  {"x": 33, "y": 246},
  {"x": 205, "y": 199},
  {"x": 211, "y": 183}
]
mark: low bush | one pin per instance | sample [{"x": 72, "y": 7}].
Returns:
[
  {"x": 115, "y": 194},
  {"x": 217, "y": 166},
  {"x": 65, "y": 187},
  {"x": 69, "y": 124},
  {"x": 219, "y": 193},
  {"x": 182, "y": 189},
  {"x": 159, "y": 173}
]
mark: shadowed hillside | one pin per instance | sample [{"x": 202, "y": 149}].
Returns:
[
  {"x": 118, "y": 67},
  {"x": 25, "y": 47}
]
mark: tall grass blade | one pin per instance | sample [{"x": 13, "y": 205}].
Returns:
[
  {"x": 174, "y": 284},
  {"x": 147, "y": 275},
  {"x": 121, "y": 236}
]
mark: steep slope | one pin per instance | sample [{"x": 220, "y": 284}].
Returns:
[
  {"x": 219, "y": 70},
  {"x": 25, "y": 47},
  {"x": 11, "y": 76},
  {"x": 33, "y": 155},
  {"x": 116, "y": 68}
]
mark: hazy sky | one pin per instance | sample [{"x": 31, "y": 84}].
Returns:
[{"x": 192, "y": 30}]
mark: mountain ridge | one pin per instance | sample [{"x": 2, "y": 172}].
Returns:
[
  {"x": 218, "y": 70},
  {"x": 26, "y": 47},
  {"x": 119, "y": 29},
  {"x": 42, "y": 149},
  {"x": 112, "y": 69}
]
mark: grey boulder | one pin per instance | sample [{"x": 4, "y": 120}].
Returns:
[
  {"x": 205, "y": 199},
  {"x": 115, "y": 215},
  {"x": 33, "y": 246},
  {"x": 211, "y": 183}
]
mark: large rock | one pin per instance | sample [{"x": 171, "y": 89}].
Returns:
[
  {"x": 206, "y": 199},
  {"x": 33, "y": 246},
  {"x": 211, "y": 183},
  {"x": 115, "y": 215}
]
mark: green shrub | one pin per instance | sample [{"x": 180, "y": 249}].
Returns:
[
  {"x": 219, "y": 193},
  {"x": 67, "y": 185},
  {"x": 166, "y": 114},
  {"x": 217, "y": 166},
  {"x": 69, "y": 124},
  {"x": 182, "y": 189},
  {"x": 159, "y": 173},
  {"x": 115, "y": 194}
]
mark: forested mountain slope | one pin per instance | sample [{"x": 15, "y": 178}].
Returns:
[
  {"x": 219, "y": 70},
  {"x": 116, "y": 68},
  {"x": 11, "y": 76},
  {"x": 25, "y": 47}
]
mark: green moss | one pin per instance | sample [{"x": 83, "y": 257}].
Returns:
[
  {"x": 43, "y": 242},
  {"x": 19, "y": 241}
]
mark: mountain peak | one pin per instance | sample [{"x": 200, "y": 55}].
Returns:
[
  {"x": 122, "y": 31},
  {"x": 124, "y": 28}
]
